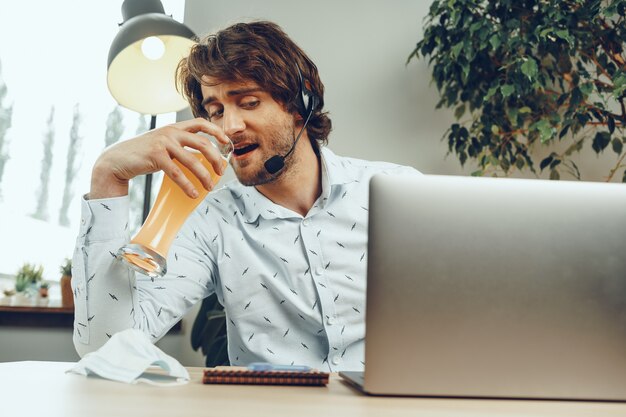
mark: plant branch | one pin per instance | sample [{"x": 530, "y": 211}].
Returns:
[
  {"x": 617, "y": 166},
  {"x": 595, "y": 61}
]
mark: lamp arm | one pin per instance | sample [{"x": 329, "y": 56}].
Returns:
[{"x": 148, "y": 186}]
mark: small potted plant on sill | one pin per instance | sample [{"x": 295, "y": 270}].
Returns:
[
  {"x": 67, "y": 297},
  {"x": 42, "y": 298},
  {"x": 8, "y": 296},
  {"x": 43, "y": 290},
  {"x": 26, "y": 280}
]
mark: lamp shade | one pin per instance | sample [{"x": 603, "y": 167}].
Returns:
[{"x": 138, "y": 78}]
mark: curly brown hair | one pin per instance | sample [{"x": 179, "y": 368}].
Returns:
[{"x": 261, "y": 52}]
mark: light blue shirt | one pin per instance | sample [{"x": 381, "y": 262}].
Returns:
[{"x": 293, "y": 287}]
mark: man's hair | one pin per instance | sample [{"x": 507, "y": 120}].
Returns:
[{"x": 260, "y": 52}]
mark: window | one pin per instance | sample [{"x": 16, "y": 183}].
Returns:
[{"x": 56, "y": 117}]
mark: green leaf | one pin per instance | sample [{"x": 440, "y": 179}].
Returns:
[
  {"x": 529, "y": 68},
  {"x": 465, "y": 67},
  {"x": 565, "y": 35},
  {"x": 575, "y": 98},
  {"x": 586, "y": 88},
  {"x": 545, "y": 32},
  {"x": 507, "y": 90},
  {"x": 456, "y": 49},
  {"x": 493, "y": 90},
  {"x": 611, "y": 124},
  {"x": 495, "y": 129},
  {"x": 495, "y": 41},
  {"x": 601, "y": 141},
  {"x": 462, "y": 158},
  {"x": 546, "y": 161},
  {"x": 479, "y": 173},
  {"x": 610, "y": 10},
  {"x": 545, "y": 130},
  {"x": 554, "y": 175},
  {"x": 460, "y": 111},
  {"x": 617, "y": 146},
  {"x": 525, "y": 109}
]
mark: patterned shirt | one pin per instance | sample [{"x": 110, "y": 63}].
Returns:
[{"x": 293, "y": 287}]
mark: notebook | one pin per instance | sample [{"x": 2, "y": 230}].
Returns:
[
  {"x": 497, "y": 288},
  {"x": 242, "y": 375}
]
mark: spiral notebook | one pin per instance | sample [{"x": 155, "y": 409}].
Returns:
[{"x": 245, "y": 376}]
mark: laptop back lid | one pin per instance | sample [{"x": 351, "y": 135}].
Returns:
[{"x": 482, "y": 287}]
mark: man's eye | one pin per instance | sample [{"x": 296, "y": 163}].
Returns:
[
  {"x": 250, "y": 104},
  {"x": 215, "y": 114}
]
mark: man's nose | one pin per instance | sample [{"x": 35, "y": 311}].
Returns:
[{"x": 233, "y": 122}]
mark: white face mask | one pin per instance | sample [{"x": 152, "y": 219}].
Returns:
[{"x": 126, "y": 356}]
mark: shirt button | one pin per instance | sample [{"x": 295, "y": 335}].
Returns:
[
  {"x": 82, "y": 221},
  {"x": 305, "y": 222},
  {"x": 331, "y": 321},
  {"x": 336, "y": 360},
  {"x": 318, "y": 270}
]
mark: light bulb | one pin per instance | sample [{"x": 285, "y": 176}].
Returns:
[{"x": 153, "y": 48}]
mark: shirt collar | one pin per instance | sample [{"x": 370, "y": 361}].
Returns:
[{"x": 335, "y": 171}]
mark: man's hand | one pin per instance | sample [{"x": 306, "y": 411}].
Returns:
[{"x": 153, "y": 151}]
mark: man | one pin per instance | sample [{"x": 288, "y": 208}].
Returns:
[{"x": 284, "y": 247}]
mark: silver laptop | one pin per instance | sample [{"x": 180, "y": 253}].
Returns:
[{"x": 503, "y": 288}]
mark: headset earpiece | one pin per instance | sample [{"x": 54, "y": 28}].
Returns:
[{"x": 306, "y": 100}]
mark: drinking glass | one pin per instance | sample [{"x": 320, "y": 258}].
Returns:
[{"x": 147, "y": 250}]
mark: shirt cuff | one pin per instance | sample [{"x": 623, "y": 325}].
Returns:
[{"x": 104, "y": 219}]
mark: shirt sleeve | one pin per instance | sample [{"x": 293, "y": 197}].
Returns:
[{"x": 109, "y": 297}]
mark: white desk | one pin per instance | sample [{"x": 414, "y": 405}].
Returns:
[{"x": 43, "y": 389}]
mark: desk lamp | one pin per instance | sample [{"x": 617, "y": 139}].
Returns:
[{"x": 142, "y": 64}]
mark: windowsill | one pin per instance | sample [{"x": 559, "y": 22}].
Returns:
[
  {"x": 36, "y": 316},
  {"x": 50, "y": 315}
]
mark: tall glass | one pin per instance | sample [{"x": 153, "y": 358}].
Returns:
[{"x": 147, "y": 250}]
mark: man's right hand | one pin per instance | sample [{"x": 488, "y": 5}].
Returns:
[{"x": 153, "y": 151}]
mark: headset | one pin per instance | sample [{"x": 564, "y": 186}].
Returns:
[{"x": 306, "y": 103}]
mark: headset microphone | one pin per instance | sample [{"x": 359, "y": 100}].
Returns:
[
  {"x": 277, "y": 162},
  {"x": 307, "y": 102}
]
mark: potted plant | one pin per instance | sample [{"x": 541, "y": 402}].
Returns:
[
  {"x": 524, "y": 74},
  {"x": 27, "y": 279},
  {"x": 43, "y": 289},
  {"x": 67, "y": 297},
  {"x": 8, "y": 293},
  {"x": 42, "y": 298}
]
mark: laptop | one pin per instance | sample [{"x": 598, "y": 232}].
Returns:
[{"x": 495, "y": 288}]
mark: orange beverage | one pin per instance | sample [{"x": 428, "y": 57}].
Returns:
[{"x": 148, "y": 249}]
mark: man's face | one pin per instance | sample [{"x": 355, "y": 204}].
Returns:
[{"x": 259, "y": 127}]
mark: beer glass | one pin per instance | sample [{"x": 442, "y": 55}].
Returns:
[{"x": 147, "y": 250}]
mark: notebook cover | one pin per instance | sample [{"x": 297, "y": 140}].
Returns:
[{"x": 239, "y": 375}]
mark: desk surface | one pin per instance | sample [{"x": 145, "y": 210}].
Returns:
[{"x": 43, "y": 389}]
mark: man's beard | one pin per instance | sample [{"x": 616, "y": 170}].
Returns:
[{"x": 278, "y": 143}]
